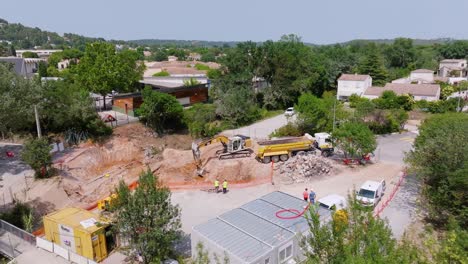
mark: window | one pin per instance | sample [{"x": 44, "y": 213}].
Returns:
[{"x": 285, "y": 253}]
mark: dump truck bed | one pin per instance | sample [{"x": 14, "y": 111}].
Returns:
[{"x": 280, "y": 141}]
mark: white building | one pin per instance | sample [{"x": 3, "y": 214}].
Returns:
[
  {"x": 428, "y": 92},
  {"x": 42, "y": 53},
  {"x": 453, "y": 68},
  {"x": 349, "y": 84},
  {"x": 419, "y": 76}
]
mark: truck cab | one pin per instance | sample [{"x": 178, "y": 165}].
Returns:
[
  {"x": 371, "y": 193},
  {"x": 323, "y": 142}
]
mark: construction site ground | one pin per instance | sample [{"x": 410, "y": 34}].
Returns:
[{"x": 90, "y": 172}]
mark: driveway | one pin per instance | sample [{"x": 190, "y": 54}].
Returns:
[
  {"x": 391, "y": 148},
  {"x": 262, "y": 129}
]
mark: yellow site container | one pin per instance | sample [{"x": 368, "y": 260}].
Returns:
[{"x": 78, "y": 231}]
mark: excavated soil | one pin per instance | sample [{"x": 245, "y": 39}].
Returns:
[{"x": 91, "y": 172}]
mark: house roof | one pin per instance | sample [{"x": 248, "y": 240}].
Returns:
[
  {"x": 453, "y": 60},
  {"x": 422, "y": 71},
  {"x": 353, "y": 77},
  {"x": 405, "y": 88},
  {"x": 253, "y": 230}
]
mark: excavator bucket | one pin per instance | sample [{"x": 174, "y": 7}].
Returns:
[{"x": 200, "y": 171}]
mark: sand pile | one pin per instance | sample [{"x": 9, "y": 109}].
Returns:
[{"x": 305, "y": 166}]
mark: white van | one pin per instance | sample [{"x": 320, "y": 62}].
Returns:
[{"x": 371, "y": 193}]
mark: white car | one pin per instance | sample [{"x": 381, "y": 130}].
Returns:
[
  {"x": 289, "y": 111},
  {"x": 371, "y": 193},
  {"x": 330, "y": 204},
  {"x": 333, "y": 202}
]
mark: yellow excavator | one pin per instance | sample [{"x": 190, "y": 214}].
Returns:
[{"x": 237, "y": 146}]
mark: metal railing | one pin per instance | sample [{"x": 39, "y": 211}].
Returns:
[{"x": 20, "y": 233}]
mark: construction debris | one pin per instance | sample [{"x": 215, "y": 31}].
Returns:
[{"x": 306, "y": 165}]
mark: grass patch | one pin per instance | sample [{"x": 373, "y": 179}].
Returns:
[
  {"x": 202, "y": 67},
  {"x": 161, "y": 74}
]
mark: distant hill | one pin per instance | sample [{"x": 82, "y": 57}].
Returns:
[
  {"x": 23, "y": 37},
  {"x": 390, "y": 41},
  {"x": 184, "y": 43}
]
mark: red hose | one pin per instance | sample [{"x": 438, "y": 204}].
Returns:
[{"x": 294, "y": 211}]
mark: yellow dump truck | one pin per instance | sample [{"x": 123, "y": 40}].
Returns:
[
  {"x": 77, "y": 230},
  {"x": 281, "y": 149}
]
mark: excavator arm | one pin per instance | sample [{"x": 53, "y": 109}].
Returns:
[{"x": 196, "y": 146}]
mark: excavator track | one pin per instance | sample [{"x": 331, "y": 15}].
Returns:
[{"x": 236, "y": 155}]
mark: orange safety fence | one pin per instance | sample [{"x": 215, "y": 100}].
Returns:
[{"x": 383, "y": 205}]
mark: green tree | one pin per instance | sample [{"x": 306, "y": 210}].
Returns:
[
  {"x": 316, "y": 114},
  {"x": 440, "y": 158},
  {"x": 234, "y": 100},
  {"x": 201, "y": 120},
  {"x": 191, "y": 82},
  {"x": 160, "y": 111},
  {"x": 30, "y": 54},
  {"x": 36, "y": 153},
  {"x": 18, "y": 96},
  {"x": 355, "y": 139},
  {"x": 42, "y": 69},
  {"x": 401, "y": 53},
  {"x": 373, "y": 65},
  {"x": 102, "y": 70},
  {"x": 454, "y": 50},
  {"x": 147, "y": 218},
  {"x": 358, "y": 237}
]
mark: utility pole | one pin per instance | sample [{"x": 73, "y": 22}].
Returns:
[
  {"x": 334, "y": 114},
  {"x": 38, "y": 125}
]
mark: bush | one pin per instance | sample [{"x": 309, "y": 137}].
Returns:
[
  {"x": 387, "y": 121},
  {"x": 355, "y": 99},
  {"x": 440, "y": 107},
  {"x": 288, "y": 130},
  {"x": 16, "y": 215},
  {"x": 161, "y": 111},
  {"x": 161, "y": 74}
]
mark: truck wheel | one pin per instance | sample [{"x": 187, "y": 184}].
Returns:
[
  {"x": 284, "y": 157},
  {"x": 266, "y": 159},
  {"x": 275, "y": 159}
]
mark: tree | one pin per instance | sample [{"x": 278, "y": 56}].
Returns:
[
  {"x": 201, "y": 120},
  {"x": 354, "y": 236},
  {"x": 102, "y": 70},
  {"x": 316, "y": 115},
  {"x": 18, "y": 96},
  {"x": 401, "y": 53},
  {"x": 147, "y": 218},
  {"x": 373, "y": 65},
  {"x": 454, "y": 50},
  {"x": 160, "y": 111},
  {"x": 42, "y": 69},
  {"x": 36, "y": 153},
  {"x": 440, "y": 158},
  {"x": 29, "y": 54},
  {"x": 355, "y": 139},
  {"x": 234, "y": 100}
]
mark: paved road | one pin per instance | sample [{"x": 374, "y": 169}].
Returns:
[
  {"x": 392, "y": 148},
  {"x": 262, "y": 129},
  {"x": 401, "y": 210}
]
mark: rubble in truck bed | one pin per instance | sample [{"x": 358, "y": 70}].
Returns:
[{"x": 306, "y": 165}]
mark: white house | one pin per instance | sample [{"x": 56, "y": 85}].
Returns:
[
  {"x": 453, "y": 68},
  {"x": 428, "y": 92},
  {"x": 42, "y": 53},
  {"x": 418, "y": 76},
  {"x": 349, "y": 84}
]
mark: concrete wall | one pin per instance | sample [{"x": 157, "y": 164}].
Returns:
[{"x": 347, "y": 88}]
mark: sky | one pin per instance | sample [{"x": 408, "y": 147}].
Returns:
[{"x": 319, "y": 22}]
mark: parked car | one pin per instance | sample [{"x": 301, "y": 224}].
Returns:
[
  {"x": 289, "y": 111},
  {"x": 371, "y": 193},
  {"x": 328, "y": 205}
]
